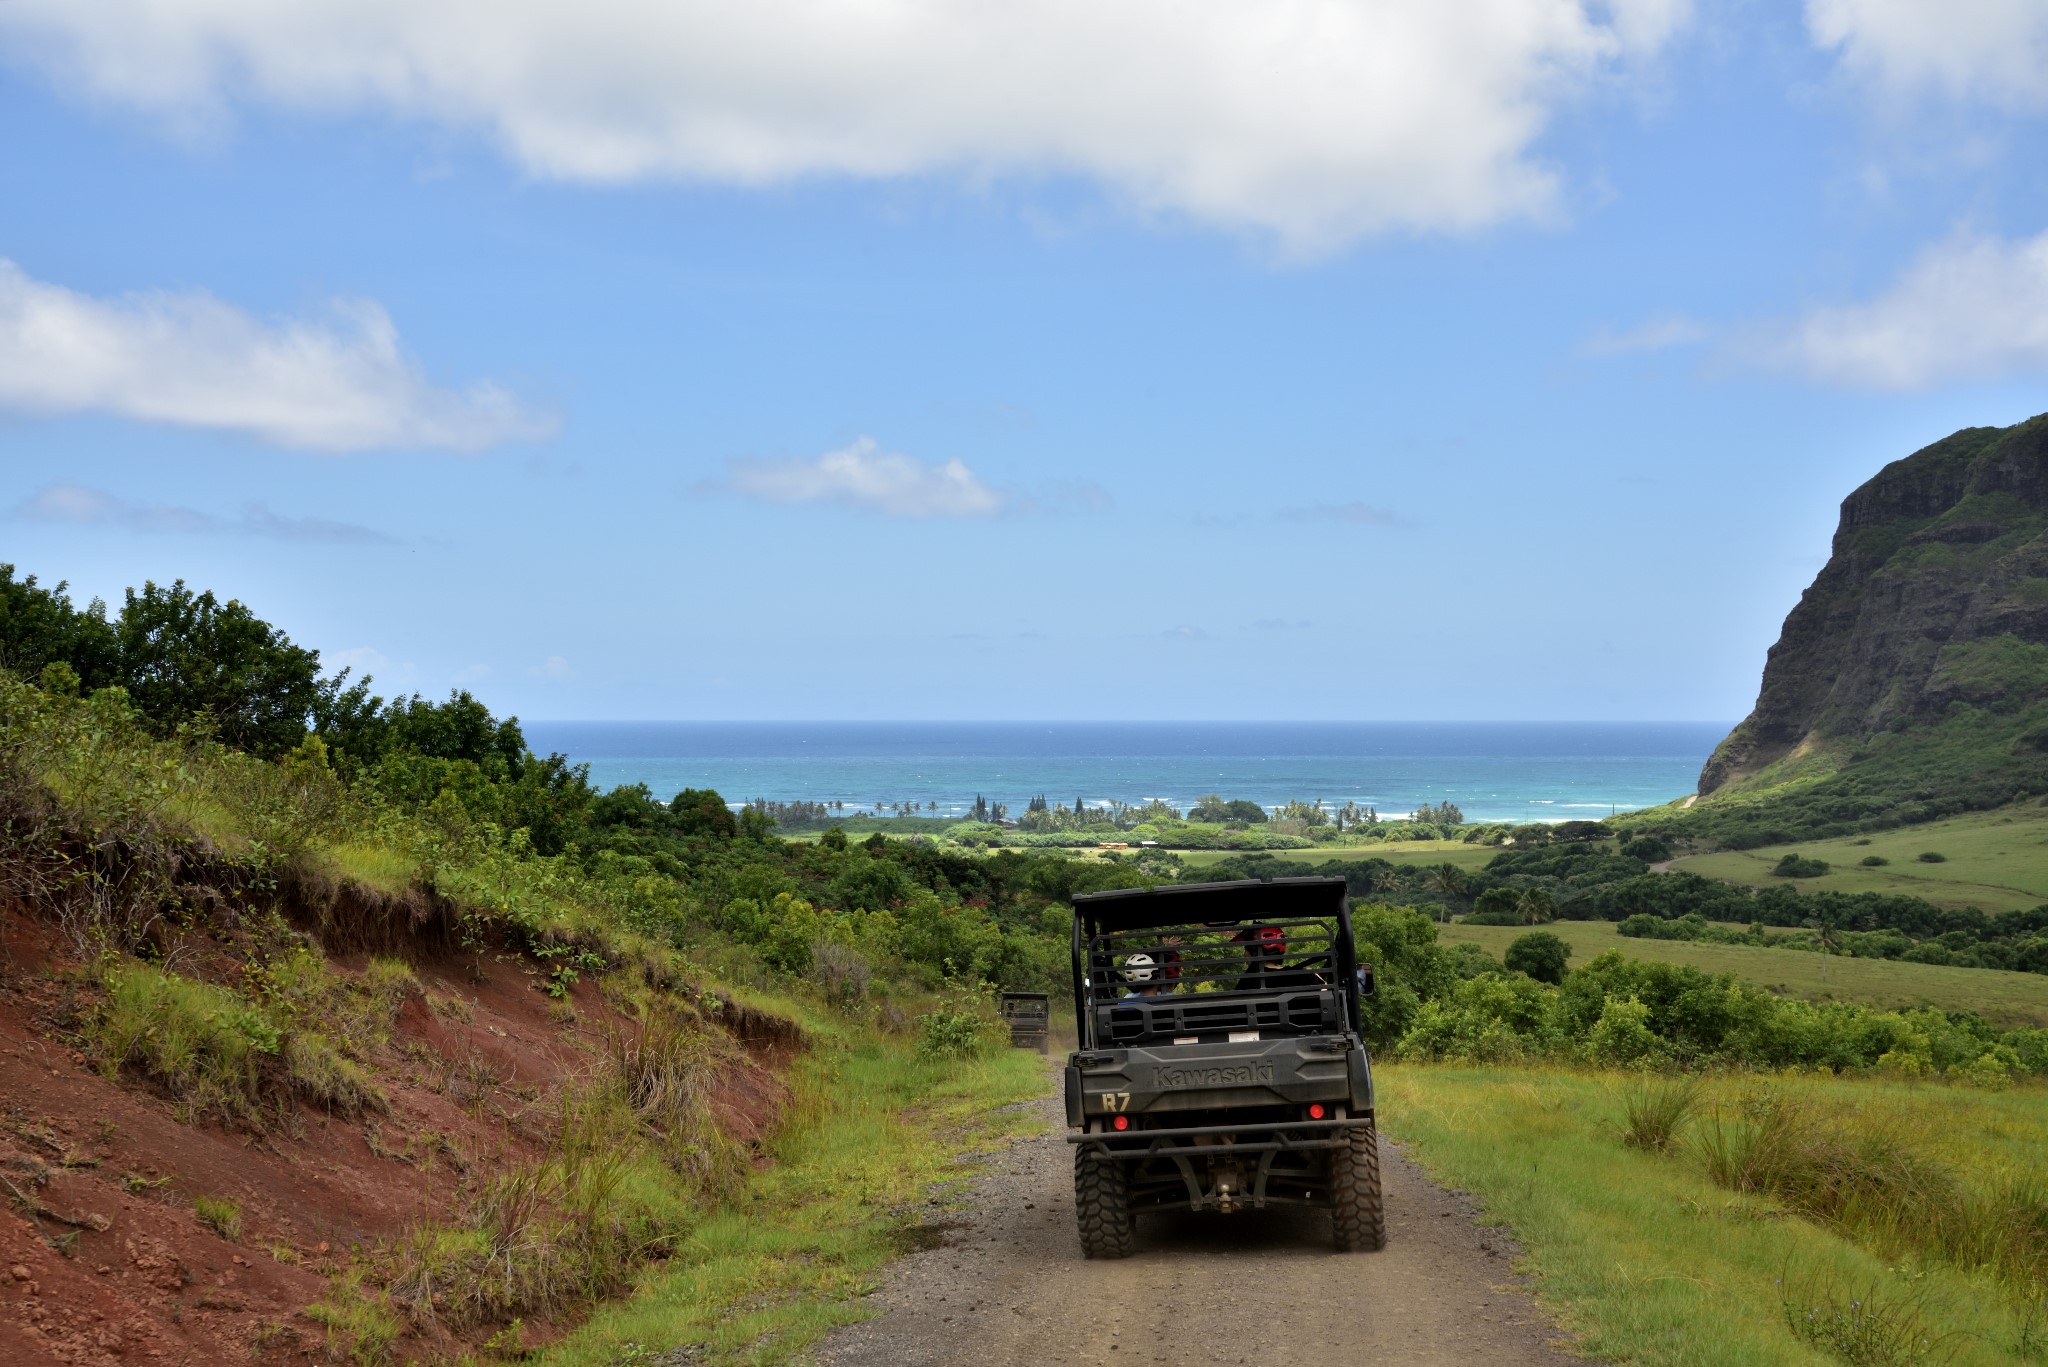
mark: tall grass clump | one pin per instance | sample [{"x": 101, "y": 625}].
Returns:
[
  {"x": 216, "y": 1051},
  {"x": 1653, "y": 1112},
  {"x": 222, "y": 1216},
  {"x": 558, "y": 1234},
  {"x": 358, "y": 1319},
  {"x": 666, "y": 1068},
  {"x": 207, "y": 1045},
  {"x": 1829, "y": 1163},
  {"x": 1880, "y": 1180}
]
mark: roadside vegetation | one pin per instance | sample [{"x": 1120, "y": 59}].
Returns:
[
  {"x": 1744, "y": 1220},
  {"x": 878, "y": 1138}
]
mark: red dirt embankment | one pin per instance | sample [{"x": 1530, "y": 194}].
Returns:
[{"x": 103, "y": 1259}]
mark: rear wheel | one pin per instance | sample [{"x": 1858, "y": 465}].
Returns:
[
  {"x": 1359, "y": 1214},
  {"x": 1102, "y": 1207}
]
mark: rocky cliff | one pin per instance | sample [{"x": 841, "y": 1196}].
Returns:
[{"x": 1932, "y": 612}]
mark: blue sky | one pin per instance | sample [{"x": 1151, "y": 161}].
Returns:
[{"x": 1308, "y": 360}]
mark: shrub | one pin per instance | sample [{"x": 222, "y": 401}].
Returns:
[
  {"x": 1622, "y": 1037},
  {"x": 1873, "y": 861},
  {"x": 1539, "y": 954},
  {"x": 963, "y": 1025},
  {"x": 1933, "y": 857},
  {"x": 1799, "y": 866},
  {"x": 1648, "y": 848},
  {"x": 220, "y": 1215},
  {"x": 843, "y": 972}
]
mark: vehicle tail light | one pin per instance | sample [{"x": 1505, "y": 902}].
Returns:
[
  {"x": 1315, "y": 1110},
  {"x": 1122, "y": 1122}
]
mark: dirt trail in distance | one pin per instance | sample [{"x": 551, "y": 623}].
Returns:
[{"x": 1009, "y": 1285}]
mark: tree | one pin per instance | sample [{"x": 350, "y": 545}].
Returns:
[
  {"x": 1447, "y": 879},
  {"x": 185, "y": 655},
  {"x": 40, "y": 627},
  {"x": 701, "y": 811},
  {"x": 1539, "y": 954},
  {"x": 1535, "y": 905}
]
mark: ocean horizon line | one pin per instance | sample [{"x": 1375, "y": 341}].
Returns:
[{"x": 1129, "y": 721}]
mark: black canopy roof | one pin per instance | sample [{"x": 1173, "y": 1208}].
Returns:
[{"x": 1179, "y": 904}]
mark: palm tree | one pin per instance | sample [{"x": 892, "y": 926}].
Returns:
[
  {"x": 1447, "y": 879},
  {"x": 1535, "y": 905}
]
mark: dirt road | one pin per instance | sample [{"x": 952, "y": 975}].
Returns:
[{"x": 1009, "y": 1285}]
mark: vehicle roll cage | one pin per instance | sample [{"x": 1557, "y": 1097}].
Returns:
[{"x": 1273, "y": 956}]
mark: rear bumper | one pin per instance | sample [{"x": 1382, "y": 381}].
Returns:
[{"x": 1189, "y": 1141}]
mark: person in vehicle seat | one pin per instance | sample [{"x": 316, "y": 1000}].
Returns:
[
  {"x": 1266, "y": 966},
  {"x": 1142, "y": 976}
]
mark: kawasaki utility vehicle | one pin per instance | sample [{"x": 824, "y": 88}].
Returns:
[{"x": 1220, "y": 1065}]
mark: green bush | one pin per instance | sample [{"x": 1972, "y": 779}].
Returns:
[
  {"x": 1933, "y": 857},
  {"x": 1873, "y": 861},
  {"x": 964, "y": 1024},
  {"x": 1539, "y": 954},
  {"x": 1799, "y": 866}
]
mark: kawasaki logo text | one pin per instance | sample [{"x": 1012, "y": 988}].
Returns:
[{"x": 1235, "y": 1075}]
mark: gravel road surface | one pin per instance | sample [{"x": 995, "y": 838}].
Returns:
[{"x": 1009, "y": 1285}]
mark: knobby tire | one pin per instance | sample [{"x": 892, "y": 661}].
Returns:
[
  {"x": 1358, "y": 1213},
  {"x": 1102, "y": 1208}
]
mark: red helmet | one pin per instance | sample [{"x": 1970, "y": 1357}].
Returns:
[{"x": 1263, "y": 941}]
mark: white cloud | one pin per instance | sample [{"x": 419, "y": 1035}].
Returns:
[
  {"x": 1969, "y": 308},
  {"x": 1317, "y": 120},
  {"x": 865, "y": 476},
  {"x": 77, "y": 506},
  {"x": 554, "y": 667},
  {"x": 1994, "y": 51},
  {"x": 342, "y": 384},
  {"x": 1659, "y": 334}
]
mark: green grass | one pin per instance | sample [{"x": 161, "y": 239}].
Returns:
[
  {"x": 222, "y": 1216},
  {"x": 874, "y": 1130},
  {"x": 1995, "y": 860},
  {"x": 375, "y": 864},
  {"x": 1423, "y": 852},
  {"x": 1649, "y": 1260},
  {"x": 2007, "y": 999}
]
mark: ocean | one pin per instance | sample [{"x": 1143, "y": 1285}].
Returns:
[{"x": 1494, "y": 771}]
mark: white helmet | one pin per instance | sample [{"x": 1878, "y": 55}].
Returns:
[{"x": 1140, "y": 968}]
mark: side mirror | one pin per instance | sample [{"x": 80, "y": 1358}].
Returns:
[{"x": 1365, "y": 980}]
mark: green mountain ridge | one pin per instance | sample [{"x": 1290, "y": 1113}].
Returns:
[{"x": 1911, "y": 680}]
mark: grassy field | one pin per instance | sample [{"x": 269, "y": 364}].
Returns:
[
  {"x": 1467, "y": 857},
  {"x": 763, "y": 1280},
  {"x": 1995, "y": 860},
  {"x": 1648, "y": 1259},
  {"x": 2009, "y": 999}
]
